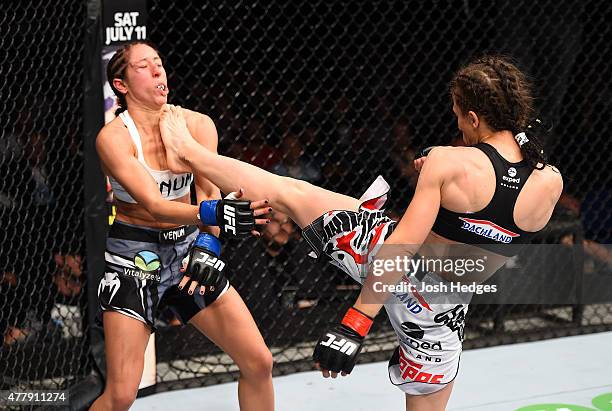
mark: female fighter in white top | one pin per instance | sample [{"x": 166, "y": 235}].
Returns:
[{"x": 155, "y": 229}]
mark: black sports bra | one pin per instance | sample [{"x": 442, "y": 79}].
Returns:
[{"x": 493, "y": 227}]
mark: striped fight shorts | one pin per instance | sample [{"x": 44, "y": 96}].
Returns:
[
  {"x": 429, "y": 335},
  {"x": 142, "y": 273}
]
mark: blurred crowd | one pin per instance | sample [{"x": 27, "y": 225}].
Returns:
[{"x": 41, "y": 212}]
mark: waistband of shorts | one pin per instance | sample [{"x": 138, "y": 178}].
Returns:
[
  {"x": 126, "y": 231},
  {"x": 313, "y": 234}
]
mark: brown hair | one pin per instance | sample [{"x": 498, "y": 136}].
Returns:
[
  {"x": 116, "y": 69},
  {"x": 496, "y": 90}
]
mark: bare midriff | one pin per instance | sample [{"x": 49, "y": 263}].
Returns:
[{"x": 138, "y": 215}]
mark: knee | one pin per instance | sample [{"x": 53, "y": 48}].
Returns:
[
  {"x": 258, "y": 365},
  {"x": 121, "y": 397}
]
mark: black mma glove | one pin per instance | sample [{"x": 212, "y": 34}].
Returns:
[
  {"x": 204, "y": 265},
  {"x": 339, "y": 347},
  {"x": 234, "y": 217}
]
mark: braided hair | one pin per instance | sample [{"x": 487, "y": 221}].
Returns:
[
  {"x": 116, "y": 69},
  {"x": 495, "y": 89}
]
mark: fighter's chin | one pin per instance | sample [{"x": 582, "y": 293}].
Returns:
[{"x": 161, "y": 100}]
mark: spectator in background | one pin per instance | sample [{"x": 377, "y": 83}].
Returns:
[
  {"x": 258, "y": 151},
  {"x": 278, "y": 233},
  {"x": 281, "y": 237},
  {"x": 335, "y": 142},
  {"x": 25, "y": 200},
  {"x": 343, "y": 118},
  {"x": 36, "y": 157},
  {"x": 284, "y": 277},
  {"x": 14, "y": 134},
  {"x": 295, "y": 162},
  {"x": 569, "y": 207},
  {"x": 12, "y": 316},
  {"x": 16, "y": 184},
  {"x": 68, "y": 279},
  {"x": 402, "y": 155},
  {"x": 403, "y": 162},
  {"x": 402, "y": 135},
  {"x": 25, "y": 314},
  {"x": 67, "y": 173}
]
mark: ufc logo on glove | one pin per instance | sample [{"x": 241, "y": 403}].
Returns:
[
  {"x": 338, "y": 349},
  {"x": 229, "y": 216},
  {"x": 234, "y": 217},
  {"x": 344, "y": 346},
  {"x": 209, "y": 260}
]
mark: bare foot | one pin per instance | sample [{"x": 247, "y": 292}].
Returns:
[{"x": 176, "y": 137}]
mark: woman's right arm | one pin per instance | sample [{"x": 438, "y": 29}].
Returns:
[{"x": 117, "y": 157}]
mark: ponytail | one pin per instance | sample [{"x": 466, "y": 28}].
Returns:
[{"x": 530, "y": 143}]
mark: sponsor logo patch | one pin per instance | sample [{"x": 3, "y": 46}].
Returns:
[
  {"x": 172, "y": 235},
  {"x": 112, "y": 283},
  {"x": 413, "y": 337},
  {"x": 488, "y": 229},
  {"x": 454, "y": 319},
  {"x": 148, "y": 266},
  {"x": 412, "y": 371},
  {"x": 172, "y": 185}
]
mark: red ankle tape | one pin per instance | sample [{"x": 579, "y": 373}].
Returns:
[{"x": 357, "y": 321}]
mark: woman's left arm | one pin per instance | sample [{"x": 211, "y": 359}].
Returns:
[{"x": 408, "y": 236}]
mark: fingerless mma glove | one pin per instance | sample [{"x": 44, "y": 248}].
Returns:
[
  {"x": 204, "y": 266},
  {"x": 339, "y": 347},
  {"x": 234, "y": 217}
]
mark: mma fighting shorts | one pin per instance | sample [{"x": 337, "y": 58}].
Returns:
[
  {"x": 429, "y": 335},
  {"x": 142, "y": 273}
]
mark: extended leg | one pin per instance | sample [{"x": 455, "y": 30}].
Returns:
[{"x": 301, "y": 201}]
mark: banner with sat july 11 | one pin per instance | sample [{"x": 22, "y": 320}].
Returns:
[{"x": 122, "y": 21}]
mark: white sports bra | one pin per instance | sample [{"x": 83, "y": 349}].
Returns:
[{"x": 171, "y": 186}]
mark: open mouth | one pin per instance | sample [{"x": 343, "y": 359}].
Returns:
[{"x": 162, "y": 87}]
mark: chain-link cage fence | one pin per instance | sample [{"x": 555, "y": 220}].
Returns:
[
  {"x": 42, "y": 277},
  {"x": 331, "y": 92},
  {"x": 338, "y": 92}
]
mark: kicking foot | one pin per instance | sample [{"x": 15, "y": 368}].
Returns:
[{"x": 176, "y": 137}]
